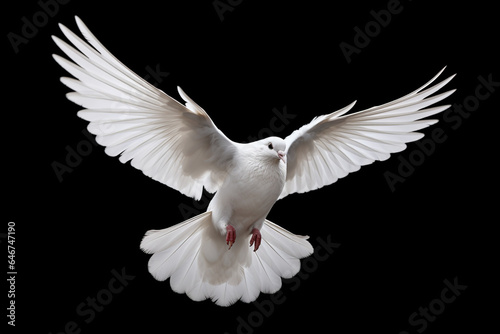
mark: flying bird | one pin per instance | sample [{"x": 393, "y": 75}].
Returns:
[{"x": 230, "y": 252}]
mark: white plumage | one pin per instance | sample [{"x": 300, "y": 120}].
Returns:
[{"x": 180, "y": 146}]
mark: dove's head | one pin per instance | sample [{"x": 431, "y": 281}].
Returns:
[{"x": 272, "y": 148}]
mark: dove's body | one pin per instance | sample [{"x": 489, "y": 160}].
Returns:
[
  {"x": 180, "y": 146},
  {"x": 248, "y": 192},
  {"x": 242, "y": 202}
]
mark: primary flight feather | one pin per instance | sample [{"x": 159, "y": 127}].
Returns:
[{"x": 208, "y": 256}]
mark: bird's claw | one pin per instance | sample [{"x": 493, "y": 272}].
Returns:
[
  {"x": 230, "y": 236},
  {"x": 256, "y": 239}
]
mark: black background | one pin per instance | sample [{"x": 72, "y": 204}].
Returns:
[{"x": 396, "y": 248}]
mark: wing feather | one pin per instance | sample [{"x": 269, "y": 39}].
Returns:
[
  {"x": 177, "y": 145},
  {"x": 334, "y": 145}
]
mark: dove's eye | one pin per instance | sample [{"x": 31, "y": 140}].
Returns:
[{"x": 270, "y": 146}]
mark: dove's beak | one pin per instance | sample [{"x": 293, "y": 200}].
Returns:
[{"x": 282, "y": 156}]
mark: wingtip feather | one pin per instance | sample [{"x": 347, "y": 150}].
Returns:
[{"x": 79, "y": 22}]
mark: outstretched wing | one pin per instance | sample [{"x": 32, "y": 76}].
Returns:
[
  {"x": 334, "y": 145},
  {"x": 175, "y": 144}
]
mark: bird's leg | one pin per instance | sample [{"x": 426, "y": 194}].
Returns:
[
  {"x": 256, "y": 238},
  {"x": 230, "y": 235}
]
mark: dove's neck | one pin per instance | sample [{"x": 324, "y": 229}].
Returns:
[{"x": 261, "y": 171}]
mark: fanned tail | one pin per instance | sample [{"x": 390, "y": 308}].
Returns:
[
  {"x": 197, "y": 260},
  {"x": 175, "y": 253}
]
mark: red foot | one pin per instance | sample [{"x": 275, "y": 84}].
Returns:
[
  {"x": 230, "y": 235},
  {"x": 256, "y": 238}
]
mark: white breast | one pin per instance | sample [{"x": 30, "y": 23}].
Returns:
[{"x": 249, "y": 192}]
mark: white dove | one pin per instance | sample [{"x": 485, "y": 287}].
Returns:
[{"x": 208, "y": 256}]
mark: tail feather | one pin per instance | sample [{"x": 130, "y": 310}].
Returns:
[
  {"x": 157, "y": 240},
  {"x": 174, "y": 248},
  {"x": 283, "y": 250},
  {"x": 197, "y": 260}
]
